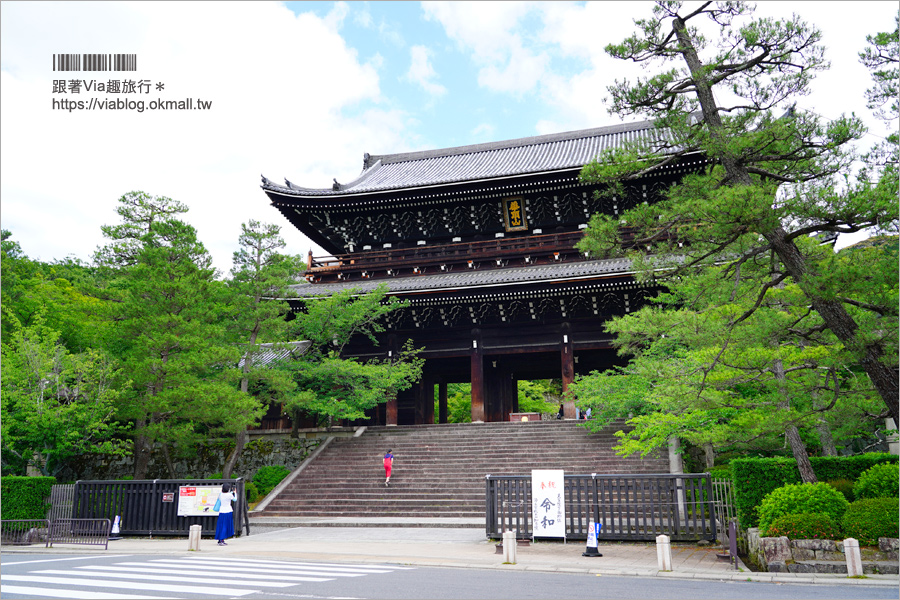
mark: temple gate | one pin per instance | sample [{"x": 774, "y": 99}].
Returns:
[{"x": 480, "y": 240}]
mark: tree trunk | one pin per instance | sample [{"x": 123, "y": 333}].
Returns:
[
  {"x": 241, "y": 437},
  {"x": 142, "y": 448},
  {"x": 295, "y": 424},
  {"x": 709, "y": 454},
  {"x": 883, "y": 377},
  {"x": 240, "y": 441},
  {"x": 825, "y": 438},
  {"x": 170, "y": 466},
  {"x": 792, "y": 435},
  {"x": 798, "y": 448}
]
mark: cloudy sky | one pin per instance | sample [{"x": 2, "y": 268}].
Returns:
[{"x": 300, "y": 90}]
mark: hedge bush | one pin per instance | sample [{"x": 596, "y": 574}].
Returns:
[
  {"x": 805, "y": 526},
  {"x": 871, "y": 518},
  {"x": 755, "y": 477},
  {"x": 880, "y": 481},
  {"x": 844, "y": 486},
  {"x": 25, "y": 497},
  {"x": 795, "y": 499},
  {"x": 266, "y": 478}
]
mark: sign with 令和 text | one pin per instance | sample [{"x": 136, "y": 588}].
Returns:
[{"x": 548, "y": 508}]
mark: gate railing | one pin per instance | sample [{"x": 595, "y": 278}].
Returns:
[
  {"x": 726, "y": 513},
  {"x": 630, "y": 507},
  {"x": 25, "y": 532}
]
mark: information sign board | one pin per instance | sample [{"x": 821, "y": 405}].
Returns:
[{"x": 197, "y": 500}]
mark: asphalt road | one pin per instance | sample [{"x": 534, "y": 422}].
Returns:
[{"x": 155, "y": 576}]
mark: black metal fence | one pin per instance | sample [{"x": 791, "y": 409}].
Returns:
[
  {"x": 630, "y": 507},
  {"x": 150, "y": 507}
]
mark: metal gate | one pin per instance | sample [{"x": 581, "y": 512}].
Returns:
[
  {"x": 630, "y": 507},
  {"x": 150, "y": 507}
]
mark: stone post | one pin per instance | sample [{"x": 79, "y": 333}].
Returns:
[
  {"x": 892, "y": 440},
  {"x": 509, "y": 547},
  {"x": 194, "y": 537},
  {"x": 854, "y": 560},
  {"x": 664, "y": 553}
]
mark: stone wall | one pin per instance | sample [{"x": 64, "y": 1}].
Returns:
[
  {"x": 265, "y": 448},
  {"x": 781, "y": 555}
]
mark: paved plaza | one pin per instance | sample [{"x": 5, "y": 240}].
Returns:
[{"x": 452, "y": 543}]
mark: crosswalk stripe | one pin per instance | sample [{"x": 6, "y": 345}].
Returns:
[
  {"x": 159, "y": 587},
  {"x": 279, "y": 563},
  {"x": 231, "y": 572},
  {"x": 130, "y": 574},
  {"x": 81, "y": 595},
  {"x": 282, "y": 566},
  {"x": 184, "y": 570}
]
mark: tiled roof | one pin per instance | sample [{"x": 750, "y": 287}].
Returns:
[
  {"x": 270, "y": 353},
  {"x": 474, "y": 278},
  {"x": 535, "y": 154}
]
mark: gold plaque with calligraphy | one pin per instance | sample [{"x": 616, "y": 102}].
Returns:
[{"x": 514, "y": 214}]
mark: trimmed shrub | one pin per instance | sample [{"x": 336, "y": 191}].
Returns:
[
  {"x": 871, "y": 518},
  {"x": 880, "y": 481},
  {"x": 805, "y": 526},
  {"x": 251, "y": 491},
  {"x": 267, "y": 478},
  {"x": 844, "y": 486},
  {"x": 755, "y": 477},
  {"x": 720, "y": 472},
  {"x": 818, "y": 498},
  {"x": 25, "y": 497}
]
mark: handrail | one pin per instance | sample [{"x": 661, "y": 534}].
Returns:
[{"x": 458, "y": 251}]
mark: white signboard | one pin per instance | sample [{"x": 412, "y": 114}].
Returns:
[
  {"x": 548, "y": 504},
  {"x": 197, "y": 500}
]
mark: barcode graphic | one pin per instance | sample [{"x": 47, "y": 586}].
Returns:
[{"x": 95, "y": 62}]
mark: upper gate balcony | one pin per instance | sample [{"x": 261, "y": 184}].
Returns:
[{"x": 444, "y": 258}]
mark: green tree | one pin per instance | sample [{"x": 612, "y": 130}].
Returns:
[
  {"x": 331, "y": 387},
  {"x": 60, "y": 293},
  {"x": 56, "y": 405},
  {"x": 705, "y": 372},
  {"x": 260, "y": 280},
  {"x": 774, "y": 178},
  {"x": 170, "y": 333}
]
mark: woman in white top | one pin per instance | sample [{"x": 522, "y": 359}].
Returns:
[{"x": 225, "y": 521}]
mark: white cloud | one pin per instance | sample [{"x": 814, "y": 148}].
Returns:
[
  {"x": 490, "y": 32},
  {"x": 484, "y": 132},
  {"x": 422, "y": 73},
  {"x": 289, "y": 99}
]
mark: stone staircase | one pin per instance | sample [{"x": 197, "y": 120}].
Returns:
[{"x": 439, "y": 470}]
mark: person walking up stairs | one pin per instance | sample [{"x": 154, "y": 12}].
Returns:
[{"x": 388, "y": 464}]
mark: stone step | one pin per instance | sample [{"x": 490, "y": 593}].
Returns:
[{"x": 440, "y": 469}]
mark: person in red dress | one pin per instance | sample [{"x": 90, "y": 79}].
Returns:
[{"x": 388, "y": 463}]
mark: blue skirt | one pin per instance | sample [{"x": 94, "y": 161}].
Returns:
[{"x": 225, "y": 526}]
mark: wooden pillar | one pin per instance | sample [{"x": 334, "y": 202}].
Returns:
[
  {"x": 514, "y": 389},
  {"x": 567, "y": 354},
  {"x": 391, "y": 409},
  {"x": 442, "y": 402},
  {"x": 477, "y": 376},
  {"x": 419, "y": 399},
  {"x": 493, "y": 391},
  {"x": 429, "y": 400}
]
